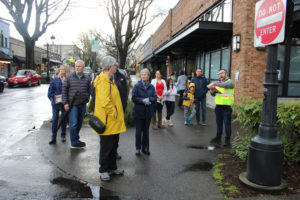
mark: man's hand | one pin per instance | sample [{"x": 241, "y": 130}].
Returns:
[
  {"x": 67, "y": 108},
  {"x": 210, "y": 86}
]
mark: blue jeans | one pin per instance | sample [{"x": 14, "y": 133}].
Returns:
[
  {"x": 55, "y": 114},
  {"x": 76, "y": 116},
  {"x": 223, "y": 113},
  {"x": 201, "y": 101},
  {"x": 142, "y": 134}
]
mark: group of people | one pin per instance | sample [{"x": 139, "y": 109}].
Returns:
[{"x": 69, "y": 93}]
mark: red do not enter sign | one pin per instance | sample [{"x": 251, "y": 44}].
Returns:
[{"x": 269, "y": 22}]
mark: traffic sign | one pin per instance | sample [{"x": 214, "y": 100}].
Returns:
[
  {"x": 95, "y": 46},
  {"x": 270, "y": 17}
]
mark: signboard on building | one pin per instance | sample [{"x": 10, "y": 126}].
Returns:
[
  {"x": 270, "y": 17},
  {"x": 95, "y": 45}
]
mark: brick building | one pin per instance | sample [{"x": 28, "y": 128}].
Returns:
[{"x": 199, "y": 34}]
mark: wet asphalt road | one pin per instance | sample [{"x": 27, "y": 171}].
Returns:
[{"x": 22, "y": 110}]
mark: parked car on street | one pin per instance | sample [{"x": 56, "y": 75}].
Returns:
[
  {"x": 2, "y": 83},
  {"x": 24, "y": 77}
]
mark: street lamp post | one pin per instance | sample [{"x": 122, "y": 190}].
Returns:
[{"x": 48, "y": 59}]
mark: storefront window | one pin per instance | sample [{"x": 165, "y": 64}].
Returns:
[
  {"x": 225, "y": 59},
  {"x": 294, "y": 74},
  {"x": 294, "y": 89},
  {"x": 280, "y": 57},
  {"x": 215, "y": 65},
  {"x": 207, "y": 65}
]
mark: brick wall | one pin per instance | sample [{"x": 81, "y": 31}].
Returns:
[
  {"x": 163, "y": 33},
  {"x": 182, "y": 14},
  {"x": 250, "y": 62}
]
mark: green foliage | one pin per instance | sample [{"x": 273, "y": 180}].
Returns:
[
  {"x": 248, "y": 114},
  {"x": 240, "y": 145},
  {"x": 129, "y": 120},
  {"x": 225, "y": 188}
]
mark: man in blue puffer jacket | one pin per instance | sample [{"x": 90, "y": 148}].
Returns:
[{"x": 200, "y": 95}]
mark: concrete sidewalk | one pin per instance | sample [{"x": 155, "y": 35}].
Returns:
[
  {"x": 176, "y": 169},
  {"x": 179, "y": 167}
]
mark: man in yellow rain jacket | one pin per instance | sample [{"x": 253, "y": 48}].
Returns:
[
  {"x": 224, "y": 98},
  {"x": 109, "y": 109}
]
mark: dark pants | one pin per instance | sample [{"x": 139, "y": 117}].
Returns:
[
  {"x": 223, "y": 113},
  {"x": 55, "y": 114},
  {"x": 142, "y": 134},
  {"x": 76, "y": 116},
  {"x": 159, "y": 108},
  {"x": 108, "y": 151},
  {"x": 180, "y": 101},
  {"x": 201, "y": 101},
  {"x": 170, "y": 109}
]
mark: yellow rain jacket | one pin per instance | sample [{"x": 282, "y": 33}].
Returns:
[
  {"x": 188, "y": 99},
  {"x": 108, "y": 105}
]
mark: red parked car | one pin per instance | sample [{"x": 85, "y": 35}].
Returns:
[{"x": 25, "y": 77}]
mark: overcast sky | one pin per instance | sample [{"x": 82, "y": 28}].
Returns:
[{"x": 88, "y": 15}]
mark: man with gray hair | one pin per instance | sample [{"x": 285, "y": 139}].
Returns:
[{"x": 75, "y": 96}]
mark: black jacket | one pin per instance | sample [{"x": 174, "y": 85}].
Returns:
[{"x": 72, "y": 85}]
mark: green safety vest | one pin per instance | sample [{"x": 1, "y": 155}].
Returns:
[{"x": 225, "y": 97}]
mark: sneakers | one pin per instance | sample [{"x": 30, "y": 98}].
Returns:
[
  {"x": 137, "y": 152},
  {"x": 117, "y": 172},
  {"x": 170, "y": 123},
  {"x": 203, "y": 123},
  {"x": 216, "y": 141},
  {"x": 79, "y": 145},
  {"x": 63, "y": 139},
  {"x": 52, "y": 141},
  {"x": 104, "y": 176}
]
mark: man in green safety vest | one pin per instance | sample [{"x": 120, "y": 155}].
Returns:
[{"x": 224, "y": 98}]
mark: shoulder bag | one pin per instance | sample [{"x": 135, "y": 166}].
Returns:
[{"x": 96, "y": 123}]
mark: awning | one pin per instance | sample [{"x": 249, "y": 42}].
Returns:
[
  {"x": 55, "y": 61},
  {"x": 4, "y": 57},
  {"x": 146, "y": 58},
  {"x": 198, "y": 34},
  {"x": 19, "y": 59}
]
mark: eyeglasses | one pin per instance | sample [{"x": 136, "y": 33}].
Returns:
[{"x": 221, "y": 73}]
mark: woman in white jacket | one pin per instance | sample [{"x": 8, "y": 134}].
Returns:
[
  {"x": 161, "y": 89},
  {"x": 169, "y": 100}
]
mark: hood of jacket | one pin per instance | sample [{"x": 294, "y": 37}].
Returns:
[{"x": 191, "y": 85}]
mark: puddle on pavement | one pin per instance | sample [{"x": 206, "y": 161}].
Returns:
[
  {"x": 200, "y": 166},
  {"x": 80, "y": 189},
  {"x": 209, "y": 148},
  {"x": 77, "y": 189}
]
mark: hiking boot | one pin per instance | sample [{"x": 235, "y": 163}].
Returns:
[
  {"x": 117, "y": 172},
  {"x": 154, "y": 122},
  {"x": 104, "y": 176},
  {"x": 160, "y": 125},
  {"x": 52, "y": 141},
  {"x": 227, "y": 143},
  {"x": 216, "y": 141}
]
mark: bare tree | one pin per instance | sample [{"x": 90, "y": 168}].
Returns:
[
  {"x": 128, "y": 18},
  {"x": 44, "y": 14}
]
